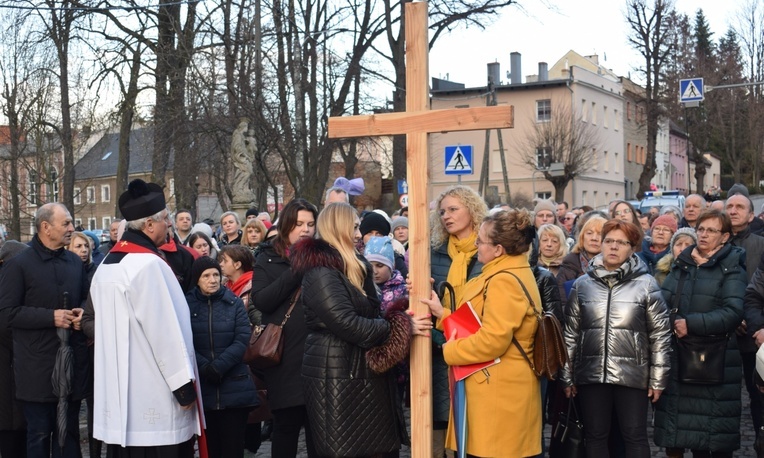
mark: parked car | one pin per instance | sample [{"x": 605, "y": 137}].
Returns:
[{"x": 661, "y": 199}]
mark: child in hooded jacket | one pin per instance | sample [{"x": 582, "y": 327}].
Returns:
[{"x": 392, "y": 287}]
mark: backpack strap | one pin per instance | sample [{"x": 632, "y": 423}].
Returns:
[{"x": 532, "y": 304}]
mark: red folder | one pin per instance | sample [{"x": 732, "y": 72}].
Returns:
[{"x": 466, "y": 322}]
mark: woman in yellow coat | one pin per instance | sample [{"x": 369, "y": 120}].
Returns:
[{"x": 504, "y": 407}]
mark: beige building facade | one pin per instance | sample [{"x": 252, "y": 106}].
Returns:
[{"x": 592, "y": 99}]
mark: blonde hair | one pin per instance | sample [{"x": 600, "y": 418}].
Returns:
[
  {"x": 336, "y": 225},
  {"x": 595, "y": 224},
  {"x": 258, "y": 226},
  {"x": 554, "y": 231},
  {"x": 470, "y": 199},
  {"x": 77, "y": 234}
]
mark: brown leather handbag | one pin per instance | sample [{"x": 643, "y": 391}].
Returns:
[{"x": 267, "y": 342}]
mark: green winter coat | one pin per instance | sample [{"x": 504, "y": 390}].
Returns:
[{"x": 705, "y": 417}]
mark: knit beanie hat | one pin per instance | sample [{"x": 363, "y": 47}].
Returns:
[
  {"x": 251, "y": 212},
  {"x": 200, "y": 265},
  {"x": 688, "y": 231},
  {"x": 375, "y": 222},
  {"x": 737, "y": 188},
  {"x": 545, "y": 204},
  {"x": 380, "y": 249},
  {"x": 400, "y": 221},
  {"x": 665, "y": 220}
]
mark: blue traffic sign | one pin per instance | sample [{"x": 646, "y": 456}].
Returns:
[
  {"x": 403, "y": 187},
  {"x": 691, "y": 90},
  {"x": 459, "y": 160}
]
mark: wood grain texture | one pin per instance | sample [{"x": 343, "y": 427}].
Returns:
[{"x": 448, "y": 120}]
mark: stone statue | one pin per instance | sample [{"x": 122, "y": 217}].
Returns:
[{"x": 243, "y": 155}]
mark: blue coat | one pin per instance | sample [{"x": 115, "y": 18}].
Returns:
[{"x": 221, "y": 334}]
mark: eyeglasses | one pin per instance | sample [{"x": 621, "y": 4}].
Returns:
[
  {"x": 449, "y": 210},
  {"x": 661, "y": 229},
  {"x": 479, "y": 242},
  {"x": 620, "y": 243},
  {"x": 626, "y": 211},
  {"x": 707, "y": 230}
]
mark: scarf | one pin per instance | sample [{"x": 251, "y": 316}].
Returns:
[
  {"x": 238, "y": 286},
  {"x": 612, "y": 277},
  {"x": 461, "y": 253}
]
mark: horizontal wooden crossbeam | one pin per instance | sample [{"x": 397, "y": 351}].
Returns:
[{"x": 447, "y": 120}]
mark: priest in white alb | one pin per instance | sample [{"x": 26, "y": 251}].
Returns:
[{"x": 145, "y": 397}]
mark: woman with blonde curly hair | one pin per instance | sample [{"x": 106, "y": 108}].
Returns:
[
  {"x": 454, "y": 227},
  {"x": 552, "y": 247}
]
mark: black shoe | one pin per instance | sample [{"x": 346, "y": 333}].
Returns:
[{"x": 265, "y": 432}]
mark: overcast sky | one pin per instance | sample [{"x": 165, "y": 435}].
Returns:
[{"x": 544, "y": 34}]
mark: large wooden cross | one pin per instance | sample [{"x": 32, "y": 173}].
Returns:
[{"x": 417, "y": 122}]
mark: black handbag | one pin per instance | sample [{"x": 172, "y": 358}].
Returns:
[
  {"x": 568, "y": 435},
  {"x": 701, "y": 359}
]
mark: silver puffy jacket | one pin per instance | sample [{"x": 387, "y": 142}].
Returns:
[{"x": 617, "y": 328}]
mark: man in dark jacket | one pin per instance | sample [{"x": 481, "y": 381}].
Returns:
[
  {"x": 41, "y": 290},
  {"x": 741, "y": 213}
]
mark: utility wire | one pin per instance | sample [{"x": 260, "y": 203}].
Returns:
[{"x": 5, "y": 6}]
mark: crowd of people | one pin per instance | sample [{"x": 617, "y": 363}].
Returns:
[{"x": 150, "y": 329}]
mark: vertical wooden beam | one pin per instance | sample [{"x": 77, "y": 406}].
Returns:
[{"x": 418, "y": 99}]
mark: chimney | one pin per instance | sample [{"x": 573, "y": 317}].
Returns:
[
  {"x": 493, "y": 73},
  {"x": 543, "y": 71},
  {"x": 515, "y": 67}
]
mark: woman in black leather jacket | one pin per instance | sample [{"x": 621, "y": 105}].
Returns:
[
  {"x": 273, "y": 288},
  {"x": 351, "y": 403}
]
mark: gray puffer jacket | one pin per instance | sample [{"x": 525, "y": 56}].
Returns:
[{"x": 617, "y": 328}]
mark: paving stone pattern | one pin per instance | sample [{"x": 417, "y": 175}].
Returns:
[{"x": 746, "y": 442}]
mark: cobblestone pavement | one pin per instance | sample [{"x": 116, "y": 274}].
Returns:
[{"x": 746, "y": 442}]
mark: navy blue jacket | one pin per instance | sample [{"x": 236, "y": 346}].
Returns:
[
  {"x": 32, "y": 286},
  {"x": 221, "y": 334}
]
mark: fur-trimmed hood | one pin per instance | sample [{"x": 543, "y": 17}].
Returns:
[{"x": 308, "y": 254}]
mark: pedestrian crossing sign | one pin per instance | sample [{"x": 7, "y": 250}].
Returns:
[
  {"x": 691, "y": 90},
  {"x": 459, "y": 160}
]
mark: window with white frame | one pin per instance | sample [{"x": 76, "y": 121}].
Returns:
[
  {"x": 543, "y": 110},
  {"x": 604, "y": 117},
  {"x": 105, "y": 223},
  {"x": 595, "y": 159},
  {"x": 91, "y": 195},
  {"x": 616, "y": 165},
  {"x": 616, "y": 121},
  {"x": 605, "y": 165},
  {"x": 53, "y": 191},
  {"x": 33, "y": 187},
  {"x": 105, "y": 193},
  {"x": 543, "y": 157},
  {"x": 92, "y": 224},
  {"x": 594, "y": 113},
  {"x": 544, "y": 195},
  {"x": 77, "y": 196},
  {"x": 583, "y": 198}
]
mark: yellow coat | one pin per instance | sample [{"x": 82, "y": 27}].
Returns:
[{"x": 504, "y": 409}]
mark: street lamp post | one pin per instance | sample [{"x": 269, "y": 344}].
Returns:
[{"x": 533, "y": 180}]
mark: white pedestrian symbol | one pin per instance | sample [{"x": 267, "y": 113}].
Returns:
[{"x": 458, "y": 162}]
